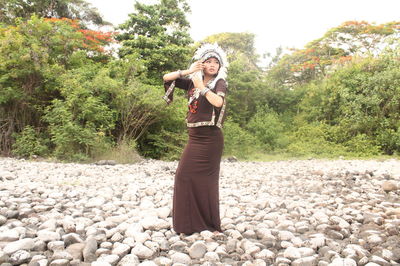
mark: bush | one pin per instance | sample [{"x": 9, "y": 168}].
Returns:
[
  {"x": 311, "y": 140},
  {"x": 362, "y": 145},
  {"x": 124, "y": 153},
  {"x": 267, "y": 128},
  {"x": 238, "y": 141},
  {"x": 29, "y": 143},
  {"x": 80, "y": 123}
]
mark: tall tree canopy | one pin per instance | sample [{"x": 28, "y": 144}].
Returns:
[
  {"x": 159, "y": 35},
  {"x": 337, "y": 46},
  {"x": 73, "y": 9},
  {"x": 236, "y": 44}
]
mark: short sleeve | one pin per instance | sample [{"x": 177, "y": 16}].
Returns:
[
  {"x": 181, "y": 83},
  {"x": 169, "y": 86},
  {"x": 221, "y": 88}
]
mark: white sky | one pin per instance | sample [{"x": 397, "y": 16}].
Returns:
[{"x": 287, "y": 23}]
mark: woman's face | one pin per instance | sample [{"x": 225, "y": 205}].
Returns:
[{"x": 211, "y": 66}]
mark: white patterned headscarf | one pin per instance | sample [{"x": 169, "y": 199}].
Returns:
[{"x": 209, "y": 50}]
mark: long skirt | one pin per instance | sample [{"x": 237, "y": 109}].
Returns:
[{"x": 196, "y": 189}]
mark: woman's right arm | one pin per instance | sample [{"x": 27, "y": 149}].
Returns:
[{"x": 196, "y": 66}]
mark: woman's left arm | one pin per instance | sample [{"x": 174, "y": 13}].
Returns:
[{"x": 212, "y": 97}]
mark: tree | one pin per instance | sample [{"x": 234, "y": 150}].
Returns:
[
  {"x": 361, "y": 101},
  {"x": 158, "y": 35},
  {"x": 338, "y": 46},
  {"x": 34, "y": 55},
  {"x": 361, "y": 37},
  {"x": 235, "y": 45},
  {"x": 73, "y": 9}
]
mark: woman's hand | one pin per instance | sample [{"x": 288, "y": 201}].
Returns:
[
  {"x": 198, "y": 80},
  {"x": 196, "y": 66}
]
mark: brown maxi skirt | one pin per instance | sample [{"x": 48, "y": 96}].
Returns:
[{"x": 196, "y": 189}]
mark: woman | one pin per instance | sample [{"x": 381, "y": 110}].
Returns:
[{"x": 196, "y": 189}]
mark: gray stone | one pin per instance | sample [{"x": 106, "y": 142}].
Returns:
[
  {"x": 141, "y": 237},
  {"x": 48, "y": 236},
  {"x": 211, "y": 256},
  {"x": 102, "y": 251},
  {"x": 343, "y": 262},
  {"x": 111, "y": 259},
  {"x": 60, "y": 254},
  {"x": 117, "y": 237},
  {"x": 121, "y": 250},
  {"x": 164, "y": 261},
  {"x": 3, "y": 220},
  {"x": 19, "y": 257},
  {"x": 55, "y": 245},
  {"x": 379, "y": 260},
  {"x": 39, "y": 245},
  {"x": 133, "y": 229},
  {"x": 69, "y": 225},
  {"x": 285, "y": 235},
  {"x": 231, "y": 245},
  {"x": 3, "y": 257},
  {"x": 95, "y": 202},
  {"x": 50, "y": 224},
  {"x": 306, "y": 252},
  {"x": 179, "y": 257},
  {"x": 71, "y": 238},
  {"x": 23, "y": 244},
  {"x": 142, "y": 252},
  {"x": 306, "y": 261},
  {"x": 9, "y": 236},
  {"x": 292, "y": 253},
  {"x": 89, "y": 250},
  {"x": 265, "y": 255},
  {"x": 389, "y": 186},
  {"x": 129, "y": 260},
  {"x": 60, "y": 262},
  {"x": 197, "y": 250}
]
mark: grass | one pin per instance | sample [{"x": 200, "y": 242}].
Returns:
[
  {"x": 123, "y": 153},
  {"x": 260, "y": 156}
]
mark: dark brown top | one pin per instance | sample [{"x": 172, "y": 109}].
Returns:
[{"x": 201, "y": 112}]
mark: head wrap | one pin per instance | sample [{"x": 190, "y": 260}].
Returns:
[
  {"x": 203, "y": 53},
  {"x": 209, "y": 50}
]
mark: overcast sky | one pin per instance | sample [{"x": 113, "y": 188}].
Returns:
[{"x": 287, "y": 23}]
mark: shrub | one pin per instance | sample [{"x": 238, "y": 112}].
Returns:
[
  {"x": 238, "y": 141},
  {"x": 29, "y": 143},
  {"x": 311, "y": 140},
  {"x": 267, "y": 128},
  {"x": 362, "y": 145}
]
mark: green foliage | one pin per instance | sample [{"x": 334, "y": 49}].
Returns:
[
  {"x": 313, "y": 139},
  {"x": 166, "y": 139},
  {"x": 361, "y": 98},
  {"x": 237, "y": 45},
  {"x": 238, "y": 141},
  {"x": 62, "y": 96},
  {"x": 122, "y": 153},
  {"x": 362, "y": 145},
  {"x": 74, "y": 9},
  {"x": 29, "y": 143},
  {"x": 33, "y": 55},
  {"x": 159, "y": 35},
  {"x": 81, "y": 120},
  {"x": 266, "y": 126}
]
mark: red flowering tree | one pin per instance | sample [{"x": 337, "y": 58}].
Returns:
[
  {"x": 93, "y": 40},
  {"x": 338, "y": 46}
]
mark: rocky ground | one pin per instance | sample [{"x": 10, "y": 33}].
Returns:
[{"x": 309, "y": 212}]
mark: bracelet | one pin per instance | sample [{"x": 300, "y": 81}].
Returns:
[
  {"x": 204, "y": 91},
  {"x": 180, "y": 73}
]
